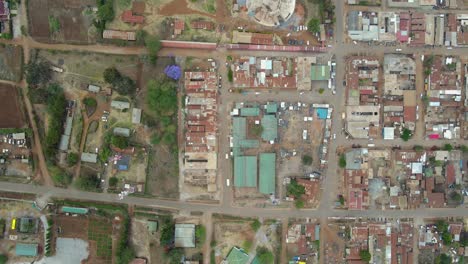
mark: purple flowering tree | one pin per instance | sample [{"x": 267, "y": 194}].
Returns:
[{"x": 173, "y": 71}]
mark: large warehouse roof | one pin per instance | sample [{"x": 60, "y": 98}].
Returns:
[
  {"x": 267, "y": 173},
  {"x": 245, "y": 171},
  {"x": 270, "y": 128}
]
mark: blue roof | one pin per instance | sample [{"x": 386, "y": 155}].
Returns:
[
  {"x": 322, "y": 113},
  {"x": 123, "y": 167},
  {"x": 317, "y": 232}
]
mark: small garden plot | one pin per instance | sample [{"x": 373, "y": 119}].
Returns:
[
  {"x": 100, "y": 230},
  {"x": 10, "y": 62}
]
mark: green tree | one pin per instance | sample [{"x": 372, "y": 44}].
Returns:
[
  {"x": 200, "y": 234},
  {"x": 230, "y": 75},
  {"x": 153, "y": 44},
  {"x": 72, "y": 158},
  {"x": 167, "y": 231},
  {"x": 299, "y": 203},
  {"x": 456, "y": 196},
  {"x": 111, "y": 75},
  {"x": 341, "y": 199},
  {"x": 406, "y": 134},
  {"x": 255, "y": 225},
  {"x": 418, "y": 148},
  {"x": 126, "y": 256},
  {"x": 464, "y": 148},
  {"x": 443, "y": 259},
  {"x": 162, "y": 97},
  {"x": 321, "y": 90},
  {"x": 446, "y": 238},
  {"x": 448, "y": 147},
  {"x": 56, "y": 105},
  {"x": 119, "y": 142},
  {"x": 105, "y": 10},
  {"x": 3, "y": 259},
  {"x": 365, "y": 255},
  {"x": 89, "y": 101},
  {"x": 257, "y": 130},
  {"x": 342, "y": 161},
  {"x": 38, "y": 73},
  {"x": 87, "y": 183},
  {"x": 306, "y": 160},
  {"x": 264, "y": 256},
  {"x": 442, "y": 226},
  {"x": 140, "y": 36},
  {"x": 295, "y": 189},
  {"x": 175, "y": 255},
  {"x": 113, "y": 182},
  {"x": 54, "y": 24},
  {"x": 314, "y": 25}
]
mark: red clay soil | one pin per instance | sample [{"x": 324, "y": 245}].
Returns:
[
  {"x": 11, "y": 115},
  {"x": 180, "y": 7}
]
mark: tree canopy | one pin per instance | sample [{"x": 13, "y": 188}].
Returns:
[
  {"x": 162, "y": 97},
  {"x": 406, "y": 134},
  {"x": 342, "y": 161},
  {"x": 105, "y": 10},
  {"x": 153, "y": 44},
  {"x": 119, "y": 142},
  {"x": 56, "y": 107},
  {"x": 314, "y": 25},
  {"x": 295, "y": 189},
  {"x": 124, "y": 85},
  {"x": 365, "y": 255},
  {"x": 264, "y": 256},
  {"x": 38, "y": 73}
]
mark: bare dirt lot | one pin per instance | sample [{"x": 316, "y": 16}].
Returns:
[
  {"x": 11, "y": 114},
  {"x": 74, "y": 18},
  {"x": 11, "y": 63},
  {"x": 230, "y": 232}
]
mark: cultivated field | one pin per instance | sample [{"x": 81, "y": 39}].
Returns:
[
  {"x": 11, "y": 113},
  {"x": 74, "y": 18},
  {"x": 11, "y": 62}
]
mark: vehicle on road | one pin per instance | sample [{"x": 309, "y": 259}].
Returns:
[
  {"x": 398, "y": 50},
  {"x": 228, "y": 183}
]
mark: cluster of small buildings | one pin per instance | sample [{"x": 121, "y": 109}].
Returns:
[
  {"x": 239, "y": 37},
  {"x": 4, "y": 17},
  {"x": 399, "y": 95},
  {"x": 302, "y": 236},
  {"x": 444, "y": 110},
  {"x": 264, "y": 72},
  {"x": 14, "y": 147},
  {"x": 416, "y": 29},
  {"x": 430, "y": 238},
  {"x": 362, "y": 97},
  {"x": 24, "y": 231},
  {"x": 380, "y": 106},
  {"x": 250, "y": 171},
  {"x": 403, "y": 179},
  {"x": 200, "y": 147},
  {"x": 390, "y": 242},
  {"x": 436, "y": 4}
]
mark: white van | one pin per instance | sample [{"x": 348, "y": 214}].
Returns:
[{"x": 228, "y": 183}]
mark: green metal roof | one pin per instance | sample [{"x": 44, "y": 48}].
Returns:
[
  {"x": 270, "y": 127},
  {"x": 245, "y": 171},
  {"x": 250, "y": 111},
  {"x": 152, "y": 225},
  {"x": 249, "y": 143},
  {"x": 272, "y": 108},
  {"x": 27, "y": 250},
  {"x": 237, "y": 256},
  {"x": 74, "y": 210},
  {"x": 239, "y": 128},
  {"x": 319, "y": 72},
  {"x": 267, "y": 173}
]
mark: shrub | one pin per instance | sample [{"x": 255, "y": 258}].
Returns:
[
  {"x": 321, "y": 90},
  {"x": 153, "y": 44},
  {"x": 255, "y": 225},
  {"x": 257, "y": 130},
  {"x": 3, "y": 259},
  {"x": 89, "y": 101},
  {"x": 119, "y": 142},
  {"x": 264, "y": 255},
  {"x": 113, "y": 182},
  {"x": 406, "y": 134},
  {"x": 200, "y": 234},
  {"x": 295, "y": 189},
  {"x": 314, "y": 25},
  {"x": 87, "y": 182},
  {"x": 72, "y": 158},
  {"x": 448, "y": 147},
  {"x": 306, "y": 160},
  {"x": 230, "y": 75},
  {"x": 299, "y": 203},
  {"x": 342, "y": 161},
  {"x": 54, "y": 24},
  {"x": 38, "y": 73},
  {"x": 365, "y": 255}
]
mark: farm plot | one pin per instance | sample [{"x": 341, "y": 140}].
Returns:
[
  {"x": 11, "y": 61},
  {"x": 100, "y": 231},
  {"x": 11, "y": 114},
  {"x": 62, "y": 21}
]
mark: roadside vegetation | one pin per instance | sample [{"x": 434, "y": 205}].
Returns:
[
  {"x": 296, "y": 190},
  {"x": 122, "y": 84}
]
